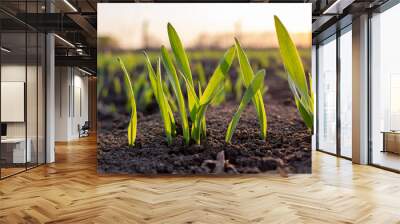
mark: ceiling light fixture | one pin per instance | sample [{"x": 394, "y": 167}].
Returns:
[
  {"x": 84, "y": 71},
  {"x": 64, "y": 40},
  {"x": 337, "y": 7},
  {"x": 70, "y": 5},
  {"x": 5, "y": 50}
]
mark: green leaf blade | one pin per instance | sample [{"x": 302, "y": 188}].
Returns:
[
  {"x": 132, "y": 127},
  {"x": 245, "y": 67},
  {"x": 164, "y": 105},
  {"x": 183, "y": 63},
  {"x": 247, "y": 75},
  {"x": 304, "y": 97},
  {"x": 250, "y": 92},
  {"x": 152, "y": 76},
  {"x": 212, "y": 90},
  {"x": 157, "y": 86},
  {"x": 173, "y": 77},
  {"x": 305, "y": 114},
  {"x": 290, "y": 57},
  {"x": 179, "y": 52},
  {"x": 203, "y": 120},
  {"x": 218, "y": 76}
]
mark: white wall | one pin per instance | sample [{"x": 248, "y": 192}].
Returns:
[
  {"x": 79, "y": 115},
  {"x": 62, "y": 81},
  {"x": 12, "y": 73},
  {"x": 71, "y": 87}
]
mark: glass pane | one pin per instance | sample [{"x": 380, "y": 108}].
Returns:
[
  {"x": 327, "y": 96},
  {"x": 346, "y": 94},
  {"x": 385, "y": 84},
  {"x": 13, "y": 86},
  {"x": 41, "y": 98},
  {"x": 31, "y": 98},
  {"x": 31, "y": 88}
]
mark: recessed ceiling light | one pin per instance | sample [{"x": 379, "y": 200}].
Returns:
[
  {"x": 84, "y": 71},
  {"x": 64, "y": 40},
  {"x": 338, "y": 6},
  {"x": 70, "y": 5},
  {"x": 5, "y": 50}
]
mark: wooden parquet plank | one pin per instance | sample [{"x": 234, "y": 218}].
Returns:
[{"x": 71, "y": 191}]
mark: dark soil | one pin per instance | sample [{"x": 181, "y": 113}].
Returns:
[{"x": 287, "y": 148}]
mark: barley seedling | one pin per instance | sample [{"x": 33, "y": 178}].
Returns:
[
  {"x": 247, "y": 75},
  {"x": 132, "y": 127},
  {"x": 303, "y": 95},
  {"x": 252, "y": 90}
]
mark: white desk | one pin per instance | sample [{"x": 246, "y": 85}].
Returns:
[{"x": 18, "y": 145}]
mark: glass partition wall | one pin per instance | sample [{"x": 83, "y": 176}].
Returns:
[
  {"x": 22, "y": 107},
  {"x": 334, "y": 90},
  {"x": 334, "y": 84},
  {"x": 345, "y": 91},
  {"x": 385, "y": 89},
  {"x": 327, "y": 96}
]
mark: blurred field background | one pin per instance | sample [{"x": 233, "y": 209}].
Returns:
[{"x": 205, "y": 39}]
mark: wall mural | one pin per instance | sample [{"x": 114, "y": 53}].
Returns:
[{"x": 204, "y": 88}]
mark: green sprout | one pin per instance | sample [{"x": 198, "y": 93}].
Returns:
[
  {"x": 252, "y": 90},
  {"x": 214, "y": 87},
  {"x": 158, "y": 89},
  {"x": 132, "y": 127},
  {"x": 197, "y": 103},
  {"x": 304, "y": 97},
  {"x": 173, "y": 77},
  {"x": 183, "y": 64},
  {"x": 247, "y": 75}
]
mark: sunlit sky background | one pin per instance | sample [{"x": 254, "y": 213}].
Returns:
[{"x": 124, "y": 21}]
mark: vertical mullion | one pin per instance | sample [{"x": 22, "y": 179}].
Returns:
[
  {"x": 37, "y": 90},
  {"x": 26, "y": 86},
  {"x": 317, "y": 96},
  {"x": 45, "y": 96},
  {"x": 45, "y": 88},
  {"x": 369, "y": 100},
  {"x": 338, "y": 73}
]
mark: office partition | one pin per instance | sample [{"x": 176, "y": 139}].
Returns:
[
  {"x": 334, "y": 92},
  {"x": 345, "y": 82},
  {"x": 327, "y": 95},
  {"x": 22, "y": 77},
  {"x": 385, "y": 88}
]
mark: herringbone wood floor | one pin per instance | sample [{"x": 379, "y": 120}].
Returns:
[{"x": 70, "y": 191}]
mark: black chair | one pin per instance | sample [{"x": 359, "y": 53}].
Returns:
[{"x": 84, "y": 130}]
